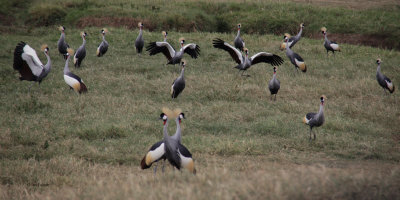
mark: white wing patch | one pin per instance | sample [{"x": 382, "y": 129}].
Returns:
[
  {"x": 70, "y": 81},
  {"x": 261, "y": 54},
  {"x": 32, "y": 60},
  {"x": 185, "y": 160},
  {"x": 172, "y": 88},
  {"x": 191, "y": 45},
  {"x": 238, "y": 54},
  {"x": 298, "y": 63},
  {"x": 389, "y": 84},
  {"x": 335, "y": 46},
  {"x": 157, "y": 153},
  {"x": 166, "y": 44}
]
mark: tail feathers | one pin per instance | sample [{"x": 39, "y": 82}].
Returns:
[
  {"x": 98, "y": 52},
  {"x": 392, "y": 90},
  {"x": 83, "y": 88},
  {"x": 303, "y": 67}
]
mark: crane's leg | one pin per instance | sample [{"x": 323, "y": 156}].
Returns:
[
  {"x": 327, "y": 53},
  {"x": 163, "y": 166},
  {"x": 29, "y": 88},
  {"x": 333, "y": 54},
  {"x": 275, "y": 98},
  {"x": 310, "y": 134},
  {"x": 245, "y": 74},
  {"x": 155, "y": 168},
  {"x": 314, "y": 136}
]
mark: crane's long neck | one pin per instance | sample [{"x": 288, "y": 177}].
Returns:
[
  {"x": 47, "y": 67},
  {"x": 321, "y": 110},
  {"x": 326, "y": 38},
  {"x": 140, "y": 32},
  {"x": 104, "y": 37},
  {"x": 62, "y": 37},
  {"x": 274, "y": 76},
  {"x": 66, "y": 68},
  {"x": 238, "y": 33},
  {"x": 300, "y": 32},
  {"x": 178, "y": 129},
  {"x": 378, "y": 69},
  {"x": 84, "y": 41},
  {"x": 165, "y": 38},
  {"x": 182, "y": 72},
  {"x": 288, "y": 50},
  {"x": 165, "y": 130}
]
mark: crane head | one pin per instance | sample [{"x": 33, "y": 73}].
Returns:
[
  {"x": 70, "y": 52},
  {"x": 182, "y": 41},
  {"x": 239, "y": 26},
  {"x": 302, "y": 25},
  {"x": 183, "y": 63},
  {"x": 104, "y": 31},
  {"x": 164, "y": 33},
  {"x": 61, "y": 28},
  {"x": 246, "y": 51},
  {"x": 378, "y": 61},
  {"x": 323, "y": 98},
  {"x": 140, "y": 25},
  {"x": 274, "y": 70},
  {"x": 323, "y": 30},
  {"x": 83, "y": 34},
  {"x": 45, "y": 48}
]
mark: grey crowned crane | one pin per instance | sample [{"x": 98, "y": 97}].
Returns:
[
  {"x": 329, "y": 45},
  {"x": 295, "y": 58},
  {"x": 383, "y": 81},
  {"x": 72, "y": 80},
  {"x": 139, "y": 42},
  {"x": 165, "y": 34},
  {"x": 179, "y": 83},
  {"x": 274, "y": 85},
  {"x": 244, "y": 62},
  {"x": 239, "y": 43},
  {"x": 283, "y": 45},
  {"x": 61, "y": 44},
  {"x": 27, "y": 63},
  {"x": 174, "y": 57},
  {"x": 316, "y": 119},
  {"x": 293, "y": 40},
  {"x": 103, "y": 46},
  {"x": 80, "y": 54},
  {"x": 181, "y": 157}
]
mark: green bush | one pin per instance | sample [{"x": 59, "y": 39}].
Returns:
[{"x": 46, "y": 14}]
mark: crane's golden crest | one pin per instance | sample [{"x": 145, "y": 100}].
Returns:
[
  {"x": 302, "y": 24},
  {"x": 105, "y": 30},
  {"x": 82, "y": 33},
  {"x": 287, "y": 35},
  {"x": 378, "y": 60},
  {"x": 171, "y": 114},
  {"x": 60, "y": 28},
  {"x": 181, "y": 39},
  {"x": 70, "y": 51},
  {"x": 323, "y": 29},
  {"x": 323, "y": 96},
  {"x": 164, "y": 33},
  {"x": 139, "y": 24},
  {"x": 44, "y": 46}
]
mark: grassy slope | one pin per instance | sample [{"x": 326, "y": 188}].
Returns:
[
  {"x": 273, "y": 17},
  {"x": 95, "y": 141}
]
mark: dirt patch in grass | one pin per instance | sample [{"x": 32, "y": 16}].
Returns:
[
  {"x": 380, "y": 41},
  {"x": 128, "y": 22}
]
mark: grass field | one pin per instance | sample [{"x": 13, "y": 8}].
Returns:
[{"x": 55, "y": 144}]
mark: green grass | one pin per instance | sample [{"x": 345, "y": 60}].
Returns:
[
  {"x": 260, "y": 17},
  {"x": 56, "y": 144}
]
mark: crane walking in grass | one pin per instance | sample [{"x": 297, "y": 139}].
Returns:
[
  {"x": 239, "y": 42},
  {"x": 293, "y": 40},
  {"x": 181, "y": 157},
  {"x": 28, "y": 64},
  {"x": 139, "y": 42},
  {"x": 274, "y": 85},
  {"x": 295, "y": 58},
  {"x": 72, "y": 80},
  {"x": 329, "y": 45},
  {"x": 80, "y": 54},
  {"x": 316, "y": 119},
  {"x": 61, "y": 44},
  {"x": 174, "y": 57},
  {"x": 383, "y": 81},
  {"x": 103, "y": 46},
  {"x": 244, "y": 62},
  {"x": 179, "y": 83}
]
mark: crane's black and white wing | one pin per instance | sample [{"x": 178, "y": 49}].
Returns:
[
  {"x": 155, "y": 153},
  {"x": 186, "y": 158},
  {"x": 102, "y": 49},
  {"x": 27, "y": 62},
  {"x": 235, "y": 53},
  {"x": 192, "y": 49},
  {"x": 308, "y": 117},
  {"x": 161, "y": 47},
  {"x": 177, "y": 87},
  {"x": 265, "y": 57}
]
